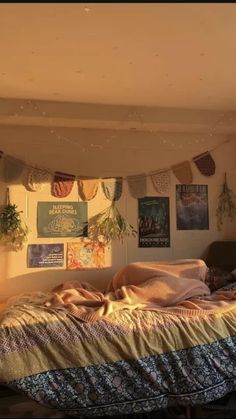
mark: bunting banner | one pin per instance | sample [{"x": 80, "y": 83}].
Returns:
[
  {"x": 137, "y": 185},
  {"x": 183, "y": 172},
  {"x": 87, "y": 188},
  {"x": 161, "y": 180},
  {"x": 36, "y": 179},
  {"x": 62, "y": 184},
  {"x": 12, "y": 169},
  {"x": 112, "y": 188},
  {"x": 205, "y": 164}
]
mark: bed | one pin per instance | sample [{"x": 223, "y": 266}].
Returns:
[{"x": 132, "y": 361}]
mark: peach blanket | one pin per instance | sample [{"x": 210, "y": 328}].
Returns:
[{"x": 173, "y": 287}]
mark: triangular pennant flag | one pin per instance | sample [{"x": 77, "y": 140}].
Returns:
[
  {"x": 137, "y": 185},
  {"x": 62, "y": 184},
  {"x": 112, "y": 188},
  {"x": 87, "y": 188},
  {"x": 12, "y": 169},
  {"x": 205, "y": 164},
  {"x": 161, "y": 180},
  {"x": 36, "y": 179},
  {"x": 183, "y": 172}
]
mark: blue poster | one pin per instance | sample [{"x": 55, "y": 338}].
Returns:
[
  {"x": 192, "y": 207},
  {"x": 45, "y": 255},
  {"x": 62, "y": 219}
]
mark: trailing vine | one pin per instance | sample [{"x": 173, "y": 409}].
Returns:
[{"x": 226, "y": 204}]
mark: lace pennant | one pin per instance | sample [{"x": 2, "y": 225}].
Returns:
[
  {"x": 112, "y": 188},
  {"x": 137, "y": 185},
  {"x": 161, "y": 181},
  {"x": 205, "y": 164},
  {"x": 183, "y": 172},
  {"x": 62, "y": 184}
]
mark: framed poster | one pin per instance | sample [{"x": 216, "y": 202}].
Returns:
[
  {"x": 62, "y": 219},
  {"x": 192, "y": 207},
  {"x": 154, "y": 222},
  {"x": 45, "y": 255},
  {"x": 85, "y": 254}
]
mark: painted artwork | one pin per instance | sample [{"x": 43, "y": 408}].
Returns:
[
  {"x": 45, "y": 255},
  {"x": 62, "y": 219},
  {"x": 154, "y": 222},
  {"x": 85, "y": 254},
  {"x": 192, "y": 207}
]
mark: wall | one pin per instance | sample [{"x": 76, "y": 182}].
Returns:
[{"x": 147, "y": 155}]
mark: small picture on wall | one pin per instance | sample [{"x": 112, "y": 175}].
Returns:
[
  {"x": 192, "y": 207},
  {"x": 154, "y": 222},
  {"x": 62, "y": 219},
  {"x": 45, "y": 255},
  {"x": 85, "y": 254}
]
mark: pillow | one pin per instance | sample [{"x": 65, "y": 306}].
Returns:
[{"x": 217, "y": 278}]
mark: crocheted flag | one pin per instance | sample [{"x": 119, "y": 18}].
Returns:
[
  {"x": 205, "y": 164},
  {"x": 87, "y": 188},
  {"x": 161, "y": 180},
  {"x": 36, "y": 179},
  {"x": 12, "y": 169},
  {"x": 62, "y": 184},
  {"x": 137, "y": 185},
  {"x": 183, "y": 172},
  {"x": 112, "y": 188}
]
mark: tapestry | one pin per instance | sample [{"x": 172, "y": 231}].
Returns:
[
  {"x": 154, "y": 222},
  {"x": 62, "y": 219},
  {"x": 85, "y": 254},
  {"x": 45, "y": 255},
  {"x": 192, "y": 207}
]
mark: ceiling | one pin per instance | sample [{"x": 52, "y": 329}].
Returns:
[{"x": 150, "y": 54}]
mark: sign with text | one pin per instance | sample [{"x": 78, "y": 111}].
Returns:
[
  {"x": 45, "y": 255},
  {"x": 62, "y": 219}
]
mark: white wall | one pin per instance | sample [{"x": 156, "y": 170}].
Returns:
[{"x": 15, "y": 277}]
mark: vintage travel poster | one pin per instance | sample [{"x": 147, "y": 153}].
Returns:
[
  {"x": 62, "y": 219},
  {"x": 192, "y": 207},
  {"x": 85, "y": 254},
  {"x": 45, "y": 255},
  {"x": 154, "y": 222}
]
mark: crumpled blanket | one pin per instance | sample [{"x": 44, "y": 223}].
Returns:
[{"x": 175, "y": 287}]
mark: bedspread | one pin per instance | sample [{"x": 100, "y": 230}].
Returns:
[{"x": 131, "y": 361}]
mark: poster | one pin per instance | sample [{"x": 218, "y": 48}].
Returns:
[
  {"x": 85, "y": 254},
  {"x": 62, "y": 219},
  {"x": 154, "y": 222},
  {"x": 192, "y": 207},
  {"x": 45, "y": 255}
]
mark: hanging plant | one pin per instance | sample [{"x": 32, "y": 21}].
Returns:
[
  {"x": 226, "y": 205},
  {"x": 13, "y": 230},
  {"x": 110, "y": 225}
]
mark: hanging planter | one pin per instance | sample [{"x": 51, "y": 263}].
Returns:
[
  {"x": 13, "y": 230},
  {"x": 226, "y": 205},
  {"x": 110, "y": 225}
]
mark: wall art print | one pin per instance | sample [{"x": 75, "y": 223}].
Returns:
[
  {"x": 192, "y": 207},
  {"x": 154, "y": 222},
  {"x": 45, "y": 255},
  {"x": 85, "y": 254},
  {"x": 62, "y": 219}
]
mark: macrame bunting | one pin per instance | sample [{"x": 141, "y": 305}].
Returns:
[
  {"x": 161, "y": 180},
  {"x": 36, "y": 179},
  {"x": 205, "y": 164},
  {"x": 12, "y": 169},
  {"x": 112, "y": 188},
  {"x": 62, "y": 184},
  {"x": 87, "y": 188},
  {"x": 183, "y": 172},
  {"x": 137, "y": 185}
]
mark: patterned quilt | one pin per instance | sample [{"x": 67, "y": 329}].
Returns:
[{"x": 131, "y": 362}]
